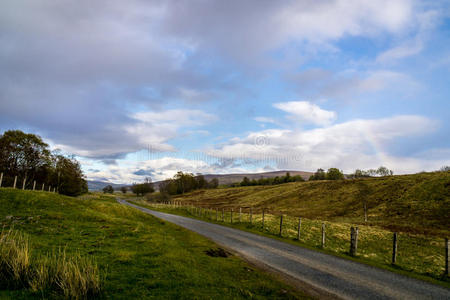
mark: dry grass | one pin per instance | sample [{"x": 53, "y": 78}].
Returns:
[{"x": 72, "y": 276}]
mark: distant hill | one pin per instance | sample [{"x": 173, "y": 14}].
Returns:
[
  {"x": 99, "y": 185},
  {"x": 232, "y": 178}
]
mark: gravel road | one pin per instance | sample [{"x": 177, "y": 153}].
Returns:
[{"x": 328, "y": 276}]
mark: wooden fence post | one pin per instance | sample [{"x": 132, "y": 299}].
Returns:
[
  {"x": 240, "y": 214},
  {"x": 446, "y": 257},
  {"x": 1, "y": 179},
  {"x": 15, "y": 182},
  {"x": 281, "y": 224},
  {"x": 299, "y": 227},
  {"x": 231, "y": 217},
  {"x": 43, "y": 186},
  {"x": 34, "y": 185},
  {"x": 323, "y": 235},
  {"x": 263, "y": 219},
  {"x": 49, "y": 187},
  {"x": 353, "y": 241},
  {"x": 251, "y": 215},
  {"x": 394, "y": 248},
  {"x": 24, "y": 181}
]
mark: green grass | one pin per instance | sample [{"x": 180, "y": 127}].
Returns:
[
  {"x": 418, "y": 256},
  {"x": 138, "y": 256},
  {"x": 418, "y": 203}
]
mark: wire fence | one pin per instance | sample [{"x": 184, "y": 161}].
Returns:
[
  {"x": 421, "y": 254},
  {"x": 19, "y": 182}
]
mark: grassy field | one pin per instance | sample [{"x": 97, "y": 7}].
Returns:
[
  {"x": 416, "y": 206},
  {"x": 136, "y": 255},
  {"x": 418, "y": 203}
]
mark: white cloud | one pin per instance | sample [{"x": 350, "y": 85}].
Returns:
[
  {"x": 305, "y": 111},
  {"x": 349, "y": 145}
]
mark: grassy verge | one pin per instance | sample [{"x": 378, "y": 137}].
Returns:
[
  {"x": 137, "y": 255},
  {"x": 418, "y": 256}
]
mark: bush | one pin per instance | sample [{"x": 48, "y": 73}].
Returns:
[
  {"x": 160, "y": 197},
  {"x": 108, "y": 189}
]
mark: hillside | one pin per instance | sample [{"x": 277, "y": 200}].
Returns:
[
  {"x": 99, "y": 185},
  {"x": 137, "y": 255},
  {"x": 414, "y": 203}
]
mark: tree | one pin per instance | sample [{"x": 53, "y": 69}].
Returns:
[
  {"x": 143, "y": 188},
  {"x": 67, "y": 176},
  {"x": 445, "y": 169},
  {"x": 201, "y": 181},
  {"x": 108, "y": 189},
  {"x": 383, "y": 171},
  {"x": 334, "y": 174},
  {"x": 318, "y": 175},
  {"x": 124, "y": 189},
  {"x": 213, "y": 183},
  {"x": 245, "y": 181}
]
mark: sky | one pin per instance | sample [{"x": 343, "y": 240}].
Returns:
[{"x": 139, "y": 89}]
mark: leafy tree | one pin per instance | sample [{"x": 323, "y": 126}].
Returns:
[
  {"x": 67, "y": 176},
  {"x": 108, "y": 189},
  {"x": 383, "y": 171},
  {"x": 143, "y": 188},
  {"x": 213, "y": 183},
  {"x": 245, "y": 181},
  {"x": 318, "y": 175},
  {"x": 201, "y": 181},
  {"x": 334, "y": 174},
  {"x": 445, "y": 169},
  {"x": 124, "y": 189}
]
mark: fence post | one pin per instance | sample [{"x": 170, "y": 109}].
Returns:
[
  {"x": 446, "y": 257},
  {"x": 394, "y": 248},
  {"x": 34, "y": 185},
  {"x": 24, "y": 181},
  {"x": 353, "y": 241},
  {"x": 281, "y": 224},
  {"x": 1, "y": 179},
  {"x": 231, "y": 217},
  {"x": 240, "y": 214},
  {"x": 15, "y": 182},
  {"x": 323, "y": 235},
  {"x": 49, "y": 187},
  {"x": 251, "y": 215},
  {"x": 263, "y": 219},
  {"x": 299, "y": 227},
  {"x": 43, "y": 186}
]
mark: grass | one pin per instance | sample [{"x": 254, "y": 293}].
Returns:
[
  {"x": 133, "y": 254},
  {"x": 418, "y": 256},
  {"x": 418, "y": 203}
]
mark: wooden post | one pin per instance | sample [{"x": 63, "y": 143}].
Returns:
[
  {"x": 299, "y": 227},
  {"x": 1, "y": 179},
  {"x": 15, "y": 182},
  {"x": 353, "y": 241},
  {"x": 323, "y": 235},
  {"x": 263, "y": 219},
  {"x": 34, "y": 185},
  {"x": 240, "y": 214},
  {"x": 446, "y": 257},
  {"x": 24, "y": 181},
  {"x": 281, "y": 224},
  {"x": 43, "y": 186},
  {"x": 231, "y": 217},
  {"x": 251, "y": 215},
  {"x": 394, "y": 248}
]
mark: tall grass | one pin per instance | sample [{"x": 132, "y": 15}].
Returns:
[{"x": 72, "y": 276}]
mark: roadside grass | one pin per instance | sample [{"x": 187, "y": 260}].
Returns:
[
  {"x": 135, "y": 255},
  {"x": 418, "y": 256},
  {"x": 417, "y": 203}
]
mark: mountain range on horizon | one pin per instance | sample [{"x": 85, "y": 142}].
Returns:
[{"x": 96, "y": 185}]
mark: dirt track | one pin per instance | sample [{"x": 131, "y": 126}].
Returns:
[{"x": 325, "y": 274}]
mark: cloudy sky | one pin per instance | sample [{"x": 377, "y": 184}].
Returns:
[{"x": 147, "y": 88}]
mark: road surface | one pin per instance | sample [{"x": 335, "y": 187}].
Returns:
[{"x": 326, "y": 275}]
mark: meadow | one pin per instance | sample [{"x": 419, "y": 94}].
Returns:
[{"x": 128, "y": 254}]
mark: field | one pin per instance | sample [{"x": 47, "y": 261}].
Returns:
[
  {"x": 418, "y": 256},
  {"x": 418, "y": 203},
  {"x": 135, "y": 255}
]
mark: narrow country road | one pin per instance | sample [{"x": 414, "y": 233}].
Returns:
[{"x": 327, "y": 275}]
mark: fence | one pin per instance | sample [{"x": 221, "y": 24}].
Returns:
[
  {"x": 24, "y": 184},
  {"x": 426, "y": 255}
]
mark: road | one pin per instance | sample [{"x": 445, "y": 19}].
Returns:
[{"x": 325, "y": 275}]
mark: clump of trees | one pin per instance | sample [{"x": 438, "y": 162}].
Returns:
[
  {"x": 185, "y": 182},
  {"x": 108, "y": 189},
  {"x": 272, "y": 180},
  {"x": 124, "y": 189},
  {"x": 27, "y": 156},
  {"x": 381, "y": 171},
  {"x": 143, "y": 188},
  {"x": 331, "y": 174}
]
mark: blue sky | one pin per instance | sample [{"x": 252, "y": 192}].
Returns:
[{"x": 147, "y": 88}]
